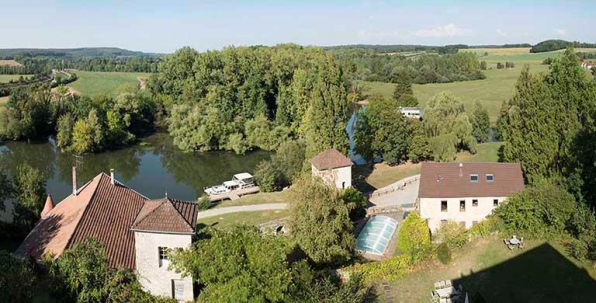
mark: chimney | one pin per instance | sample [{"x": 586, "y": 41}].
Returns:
[
  {"x": 74, "y": 180},
  {"x": 461, "y": 170},
  {"x": 112, "y": 178}
]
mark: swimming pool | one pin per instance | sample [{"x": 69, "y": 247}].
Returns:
[{"x": 376, "y": 234}]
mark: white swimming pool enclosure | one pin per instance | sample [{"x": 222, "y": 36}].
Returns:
[{"x": 376, "y": 234}]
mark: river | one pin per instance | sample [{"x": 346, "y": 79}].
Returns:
[{"x": 151, "y": 167}]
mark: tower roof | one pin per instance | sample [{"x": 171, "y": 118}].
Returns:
[{"x": 47, "y": 208}]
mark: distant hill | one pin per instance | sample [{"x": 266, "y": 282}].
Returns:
[
  {"x": 87, "y": 52},
  {"x": 554, "y": 45},
  {"x": 398, "y": 48}
]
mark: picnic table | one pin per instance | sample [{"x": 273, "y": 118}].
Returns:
[
  {"x": 447, "y": 292},
  {"x": 514, "y": 242}
]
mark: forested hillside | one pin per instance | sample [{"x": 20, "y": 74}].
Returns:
[
  {"x": 553, "y": 45},
  {"x": 90, "y": 52}
]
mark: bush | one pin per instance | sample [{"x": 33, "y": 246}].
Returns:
[
  {"x": 388, "y": 270},
  {"x": 413, "y": 234},
  {"x": 452, "y": 234},
  {"x": 204, "y": 203},
  {"x": 17, "y": 279},
  {"x": 356, "y": 202},
  {"x": 444, "y": 253}
]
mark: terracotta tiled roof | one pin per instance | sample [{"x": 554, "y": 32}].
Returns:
[
  {"x": 108, "y": 218},
  {"x": 100, "y": 210},
  {"x": 450, "y": 180},
  {"x": 52, "y": 234},
  {"x": 330, "y": 159},
  {"x": 167, "y": 215}
]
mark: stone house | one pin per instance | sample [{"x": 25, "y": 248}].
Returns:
[
  {"x": 136, "y": 232},
  {"x": 465, "y": 192},
  {"x": 333, "y": 167}
]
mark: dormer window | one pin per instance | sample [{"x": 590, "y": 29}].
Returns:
[
  {"x": 490, "y": 178},
  {"x": 474, "y": 178}
]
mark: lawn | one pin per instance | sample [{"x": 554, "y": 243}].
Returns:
[
  {"x": 260, "y": 198},
  {"x": 541, "y": 272},
  {"x": 7, "y": 78},
  {"x": 248, "y": 218},
  {"x": 485, "y": 152},
  {"x": 106, "y": 83}
]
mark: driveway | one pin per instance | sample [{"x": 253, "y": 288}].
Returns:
[
  {"x": 243, "y": 208},
  {"x": 402, "y": 193}
]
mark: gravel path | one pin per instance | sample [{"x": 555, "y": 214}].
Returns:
[
  {"x": 243, "y": 208},
  {"x": 392, "y": 196}
]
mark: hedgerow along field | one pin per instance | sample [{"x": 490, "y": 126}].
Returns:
[
  {"x": 104, "y": 83},
  {"x": 7, "y": 78}
]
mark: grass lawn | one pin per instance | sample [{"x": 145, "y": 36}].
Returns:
[
  {"x": 248, "y": 218},
  {"x": 107, "y": 83},
  {"x": 541, "y": 272},
  {"x": 498, "y": 86},
  {"x": 7, "y": 78},
  {"x": 485, "y": 152},
  {"x": 260, "y": 198}
]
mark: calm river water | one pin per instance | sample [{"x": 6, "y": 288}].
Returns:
[{"x": 152, "y": 167}]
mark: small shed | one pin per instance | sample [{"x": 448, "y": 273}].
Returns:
[{"x": 333, "y": 167}]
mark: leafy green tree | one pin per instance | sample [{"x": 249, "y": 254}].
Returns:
[
  {"x": 64, "y": 131},
  {"x": 357, "y": 203},
  {"x": 403, "y": 86},
  {"x": 419, "y": 149},
  {"x": 413, "y": 233},
  {"x": 239, "y": 265},
  {"x": 279, "y": 171},
  {"x": 383, "y": 131},
  {"x": 407, "y": 101},
  {"x": 7, "y": 188},
  {"x": 320, "y": 221},
  {"x": 480, "y": 123},
  {"x": 448, "y": 127},
  {"x": 82, "y": 137},
  {"x": 30, "y": 196},
  {"x": 17, "y": 279}
]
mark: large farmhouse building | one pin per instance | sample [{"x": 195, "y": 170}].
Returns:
[
  {"x": 333, "y": 167},
  {"x": 465, "y": 192},
  {"x": 136, "y": 232}
]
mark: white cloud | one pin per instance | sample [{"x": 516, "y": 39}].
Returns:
[
  {"x": 502, "y": 33},
  {"x": 560, "y": 32},
  {"x": 449, "y": 30}
]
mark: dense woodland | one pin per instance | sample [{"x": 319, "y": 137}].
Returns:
[
  {"x": 421, "y": 68},
  {"x": 554, "y": 45},
  {"x": 44, "y": 65}
]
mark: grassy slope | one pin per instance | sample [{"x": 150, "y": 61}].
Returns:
[
  {"x": 546, "y": 274},
  {"x": 248, "y": 218},
  {"x": 97, "y": 83},
  {"x": 498, "y": 86}
]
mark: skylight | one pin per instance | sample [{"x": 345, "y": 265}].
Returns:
[{"x": 376, "y": 234}]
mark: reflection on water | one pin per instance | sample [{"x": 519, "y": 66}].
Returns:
[{"x": 151, "y": 168}]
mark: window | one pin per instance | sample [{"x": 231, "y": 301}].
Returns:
[
  {"x": 443, "y": 222},
  {"x": 462, "y": 205},
  {"x": 496, "y": 202},
  {"x": 490, "y": 178},
  {"x": 443, "y": 206},
  {"x": 474, "y": 178},
  {"x": 163, "y": 256},
  {"x": 474, "y": 203},
  {"x": 462, "y": 224}
]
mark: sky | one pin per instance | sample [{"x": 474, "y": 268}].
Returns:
[{"x": 164, "y": 26}]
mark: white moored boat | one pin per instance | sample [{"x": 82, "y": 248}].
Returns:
[{"x": 239, "y": 181}]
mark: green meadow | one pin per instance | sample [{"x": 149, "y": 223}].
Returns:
[
  {"x": 7, "y": 78},
  {"x": 104, "y": 83},
  {"x": 498, "y": 86}
]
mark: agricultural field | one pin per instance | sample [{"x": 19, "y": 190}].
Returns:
[
  {"x": 517, "y": 55},
  {"x": 10, "y": 63},
  {"x": 104, "y": 83},
  {"x": 498, "y": 86},
  {"x": 7, "y": 78}
]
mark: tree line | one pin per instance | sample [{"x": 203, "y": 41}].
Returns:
[
  {"x": 548, "y": 126},
  {"x": 554, "y": 45},
  {"x": 421, "y": 68},
  {"x": 38, "y": 65}
]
